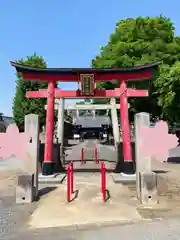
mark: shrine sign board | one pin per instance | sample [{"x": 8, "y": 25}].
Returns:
[{"x": 87, "y": 84}]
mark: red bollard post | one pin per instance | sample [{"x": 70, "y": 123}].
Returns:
[
  {"x": 72, "y": 177},
  {"x": 104, "y": 192},
  {"x": 103, "y": 180},
  {"x": 96, "y": 156},
  {"x": 69, "y": 183},
  {"x": 82, "y": 156}
]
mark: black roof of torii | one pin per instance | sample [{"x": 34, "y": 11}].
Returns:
[{"x": 28, "y": 69}]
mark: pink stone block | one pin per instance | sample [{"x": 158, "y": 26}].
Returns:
[
  {"x": 157, "y": 141},
  {"x": 13, "y": 143}
]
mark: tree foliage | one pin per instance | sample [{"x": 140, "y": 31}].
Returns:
[
  {"x": 142, "y": 41},
  {"x": 22, "y": 105},
  {"x": 168, "y": 89}
]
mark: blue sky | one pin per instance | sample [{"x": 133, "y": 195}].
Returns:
[{"x": 66, "y": 33}]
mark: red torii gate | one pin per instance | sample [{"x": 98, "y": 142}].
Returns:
[{"x": 87, "y": 78}]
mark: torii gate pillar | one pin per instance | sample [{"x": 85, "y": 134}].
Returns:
[
  {"x": 126, "y": 137},
  {"x": 47, "y": 168}
]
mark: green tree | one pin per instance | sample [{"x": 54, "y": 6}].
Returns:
[
  {"x": 137, "y": 42},
  {"x": 168, "y": 89},
  {"x": 23, "y": 105}
]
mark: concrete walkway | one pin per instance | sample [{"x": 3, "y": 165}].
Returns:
[
  {"x": 88, "y": 208},
  {"x": 105, "y": 152}
]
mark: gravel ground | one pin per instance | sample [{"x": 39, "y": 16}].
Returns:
[{"x": 13, "y": 217}]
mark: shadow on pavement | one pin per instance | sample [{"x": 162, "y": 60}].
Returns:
[
  {"x": 173, "y": 160},
  {"x": 90, "y": 160},
  {"x": 46, "y": 190},
  {"x": 107, "y": 195},
  {"x": 71, "y": 144},
  {"x": 109, "y": 143},
  {"x": 160, "y": 171},
  {"x": 76, "y": 193}
]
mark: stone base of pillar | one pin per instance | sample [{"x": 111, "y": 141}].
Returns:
[
  {"x": 148, "y": 188},
  {"x": 124, "y": 178},
  {"x": 52, "y": 179},
  {"x": 47, "y": 168},
  {"x": 128, "y": 167}
]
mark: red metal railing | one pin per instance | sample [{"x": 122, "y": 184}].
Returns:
[
  {"x": 72, "y": 177},
  {"x": 83, "y": 161},
  {"x": 70, "y": 180},
  {"x": 96, "y": 155},
  {"x": 103, "y": 181},
  {"x": 82, "y": 156}
]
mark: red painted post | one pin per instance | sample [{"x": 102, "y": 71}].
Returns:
[
  {"x": 48, "y": 152},
  {"x": 82, "y": 156},
  {"x": 104, "y": 192},
  {"x": 127, "y": 165},
  {"x": 103, "y": 180},
  {"x": 72, "y": 177},
  {"x": 96, "y": 156},
  {"x": 69, "y": 170}
]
